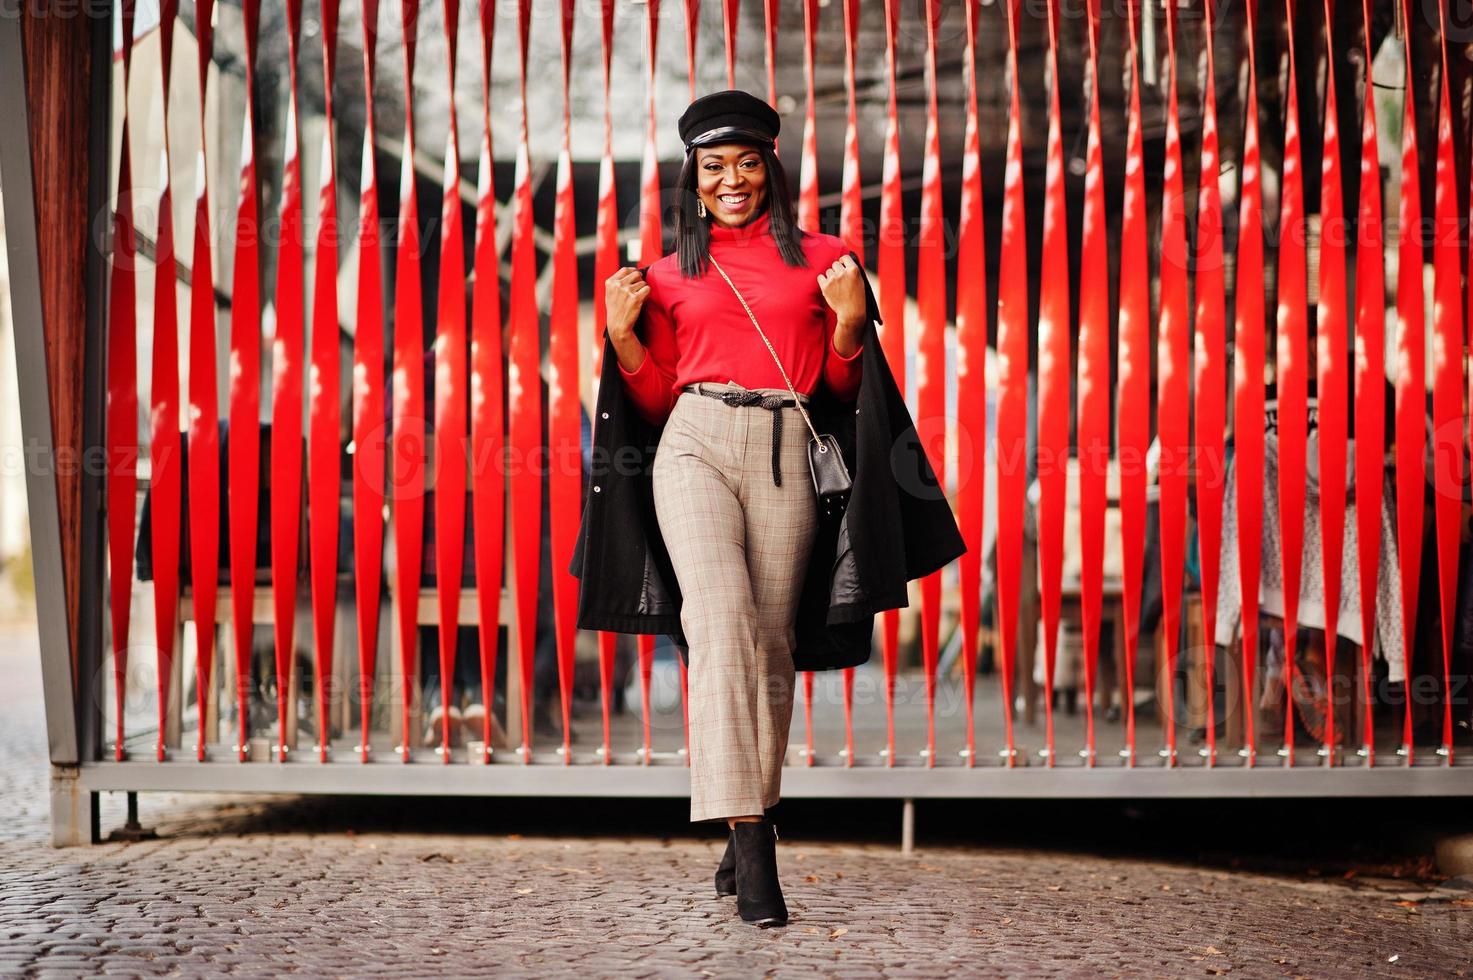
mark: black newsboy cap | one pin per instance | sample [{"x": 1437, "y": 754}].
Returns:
[{"x": 732, "y": 116}]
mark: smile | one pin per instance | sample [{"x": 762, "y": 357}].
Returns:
[{"x": 733, "y": 202}]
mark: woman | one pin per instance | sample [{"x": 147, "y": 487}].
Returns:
[{"x": 732, "y": 492}]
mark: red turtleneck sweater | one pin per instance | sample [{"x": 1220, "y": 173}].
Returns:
[{"x": 697, "y": 330}]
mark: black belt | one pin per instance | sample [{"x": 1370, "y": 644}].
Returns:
[{"x": 745, "y": 396}]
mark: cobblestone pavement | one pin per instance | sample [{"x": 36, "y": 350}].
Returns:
[{"x": 254, "y": 887}]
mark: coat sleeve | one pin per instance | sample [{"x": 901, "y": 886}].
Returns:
[{"x": 651, "y": 386}]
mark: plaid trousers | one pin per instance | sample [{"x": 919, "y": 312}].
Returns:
[{"x": 740, "y": 547}]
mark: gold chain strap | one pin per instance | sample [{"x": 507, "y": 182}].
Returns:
[{"x": 822, "y": 446}]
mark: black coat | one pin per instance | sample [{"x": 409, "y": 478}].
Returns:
[{"x": 898, "y": 525}]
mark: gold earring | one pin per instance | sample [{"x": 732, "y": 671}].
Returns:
[{"x": 700, "y": 207}]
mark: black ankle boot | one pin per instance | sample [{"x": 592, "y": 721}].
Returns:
[
  {"x": 726, "y": 870},
  {"x": 759, "y": 893}
]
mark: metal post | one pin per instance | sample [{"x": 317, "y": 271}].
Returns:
[
  {"x": 35, "y": 399},
  {"x": 908, "y": 827}
]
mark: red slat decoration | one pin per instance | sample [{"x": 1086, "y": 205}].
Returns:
[
  {"x": 692, "y": 15},
  {"x": 121, "y": 417},
  {"x": 204, "y": 427},
  {"x": 1093, "y": 418},
  {"x": 286, "y": 400},
  {"x": 1134, "y": 378},
  {"x": 730, "y": 18},
  {"x": 931, "y": 355},
  {"x": 1173, "y": 362},
  {"x": 851, "y": 229},
  {"x": 1292, "y": 375},
  {"x": 890, "y": 269},
  {"x": 770, "y": 13},
  {"x": 487, "y": 420},
  {"x": 1209, "y": 401},
  {"x": 450, "y": 397},
  {"x": 564, "y": 428},
  {"x": 244, "y": 451},
  {"x": 808, "y": 184},
  {"x": 369, "y": 444},
  {"x": 1012, "y": 379},
  {"x": 1248, "y": 385},
  {"x": 524, "y": 381},
  {"x": 808, "y": 220},
  {"x": 1411, "y": 371},
  {"x": 651, "y": 248},
  {"x": 164, "y": 447},
  {"x": 651, "y": 244},
  {"x": 1332, "y": 381},
  {"x": 1053, "y": 383},
  {"x": 605, "y": 264},
  {"x": 692, "y": 23},
  {"x": 971, "y": 361},
  {"x": 408, "y": 442},
  {"x": 1370, "y": 378},
  {"x": 1447, "y": 381},
  {"x": 324, "y": 455}
]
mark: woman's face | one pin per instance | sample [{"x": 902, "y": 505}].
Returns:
[{"x": 732, "y": 181}]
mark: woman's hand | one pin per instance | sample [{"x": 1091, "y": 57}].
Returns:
[
  {"x": 843, "y": 289},
  {"x": 624, "y": 295}
]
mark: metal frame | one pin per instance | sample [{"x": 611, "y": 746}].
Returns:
[
  {"x": 551, "y": 778},
  {"x": 73, "y": 714}
]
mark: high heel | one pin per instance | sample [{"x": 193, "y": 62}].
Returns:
[
  {"x": 726, "y": 870},
  {"x": 759, "y": 893}
]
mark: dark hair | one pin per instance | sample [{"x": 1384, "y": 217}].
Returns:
[{"x": 693, "y": 233}]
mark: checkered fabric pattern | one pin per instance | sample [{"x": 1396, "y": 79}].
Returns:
[{"x": 740, "y": 547}]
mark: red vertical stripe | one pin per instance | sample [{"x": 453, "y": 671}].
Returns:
[
  {"x": 1053, "y": 382},
  {"x": 450, "y": 397},
  {"x": 1012, "y": 376},
  {"x": 808, "y": 184},
  {"x": 1248, "y": 387},
  {"x": 1173, "y": 357},
  {"x": 1411, "y": 388},
  {"x": 931, "y": 355},
  {"x": 851, "y": 229},
  {"x": 730, "y": 18},
  {"x": 524, "y": 397},
  {"x": 244, "y": 454},
  {"x": 692, "y": 23},
  {"x": 564, "y": 429},
  {"x": 487, "y": 422},
  {"x": 121, "y": 416},
  {"x": 890, "y": 267},
  {"x": 971, "y": 378},
  {"x": 1134, "y": 379},
  {"x": 1211, "y": 376},
  {"x": 408, "y": 443},
  {"x": 651, "y": 244},
  {"x": 1447, "y": 382},
  {"x": 1370, "y": 378},
  {"x": 1292, "y": 374},
  {"x": 369, "y": 447},
  {"x": 1332, "y": 383},
  {"x": 286, "y": 396},
  {"x": 204, "y": 430},
  {"x": 605, "y": 264},
  {"x": 164, "y": 447},
  {"x": 1094, "y": 388},
  {"x": 323, "y": 452}
]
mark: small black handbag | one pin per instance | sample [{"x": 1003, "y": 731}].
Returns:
[{"x": 831, "y": 480}]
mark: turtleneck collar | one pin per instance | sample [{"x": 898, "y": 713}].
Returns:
[{"x": 753, "y": 228}]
